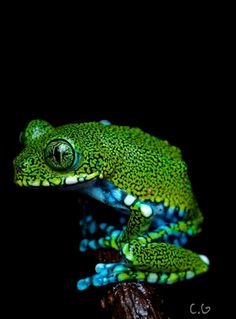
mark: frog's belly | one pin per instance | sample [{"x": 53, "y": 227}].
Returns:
[{"x": 109, "y": 194}]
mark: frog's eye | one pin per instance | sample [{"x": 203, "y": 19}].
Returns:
[
  {"x": 21, "y": 137},
  {"x": 60, "y": 155}
]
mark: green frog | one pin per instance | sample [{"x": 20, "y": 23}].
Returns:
[{"x": 141, "y": 176}]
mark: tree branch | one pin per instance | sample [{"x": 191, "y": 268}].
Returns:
[{"x": 131, "y": 300}]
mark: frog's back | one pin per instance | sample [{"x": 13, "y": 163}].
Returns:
[
  {"x": 150, "y": 169},
  {"x": 134, "y": 138}
]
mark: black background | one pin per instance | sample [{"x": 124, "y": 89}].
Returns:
[{"x": 176, "y": 96}]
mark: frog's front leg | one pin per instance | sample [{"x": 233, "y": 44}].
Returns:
[
  {"x": 91, "y": 227},
  {"x": 138, "y": 223}
]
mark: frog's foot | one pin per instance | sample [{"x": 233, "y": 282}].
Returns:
[
  {"x": 109, "y": 241},
  {"x": 88, "y": 225},
  {"x": 118, "y": 272},
  {"x": 105, "y": 274}
]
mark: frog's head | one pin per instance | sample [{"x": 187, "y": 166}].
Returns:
[{"x": 62, "y": 156}]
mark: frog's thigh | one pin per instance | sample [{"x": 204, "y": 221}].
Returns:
[
  {"x": 176, "y": 234},
  {"x": 163, "y": 258}
]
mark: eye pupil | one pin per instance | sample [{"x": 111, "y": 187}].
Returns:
[{"x": 58, "y": 154}]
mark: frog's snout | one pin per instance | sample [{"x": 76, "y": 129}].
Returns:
[{"x": 26, "y": 170}]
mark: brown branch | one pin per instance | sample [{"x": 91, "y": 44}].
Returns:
[{"x": 131, "y": 300}]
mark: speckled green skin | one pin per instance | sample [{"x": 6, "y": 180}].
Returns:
[{"x": 141, "y": 165}]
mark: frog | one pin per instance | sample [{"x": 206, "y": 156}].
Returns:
[{"x": 136, "y": 174}]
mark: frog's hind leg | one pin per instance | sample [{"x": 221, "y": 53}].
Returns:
[
  {"x": 156, "y": 263},
  {"x": 162, "y": 230},
  {"x": 176, "y": 234},
  {"x": 164, "y": 258}
]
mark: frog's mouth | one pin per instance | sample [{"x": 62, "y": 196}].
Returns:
[
  {"x": 74, "y": 182},
  {"x": 69, "y": 182},
  {"x": 79, "y": 185}
]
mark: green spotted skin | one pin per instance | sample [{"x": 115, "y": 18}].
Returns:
[
  {"x": 142, "y": 171},
  {"x": 163, "y": 257},
  {"x": 134, "y": 161}
]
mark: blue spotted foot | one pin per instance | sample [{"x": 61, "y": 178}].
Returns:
[
  {"x": 88, "y": 225},
  {"x": 105, "y": 274},
  {"x": 120, "y": 272},
  {"x": 109, "y": 241}
]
